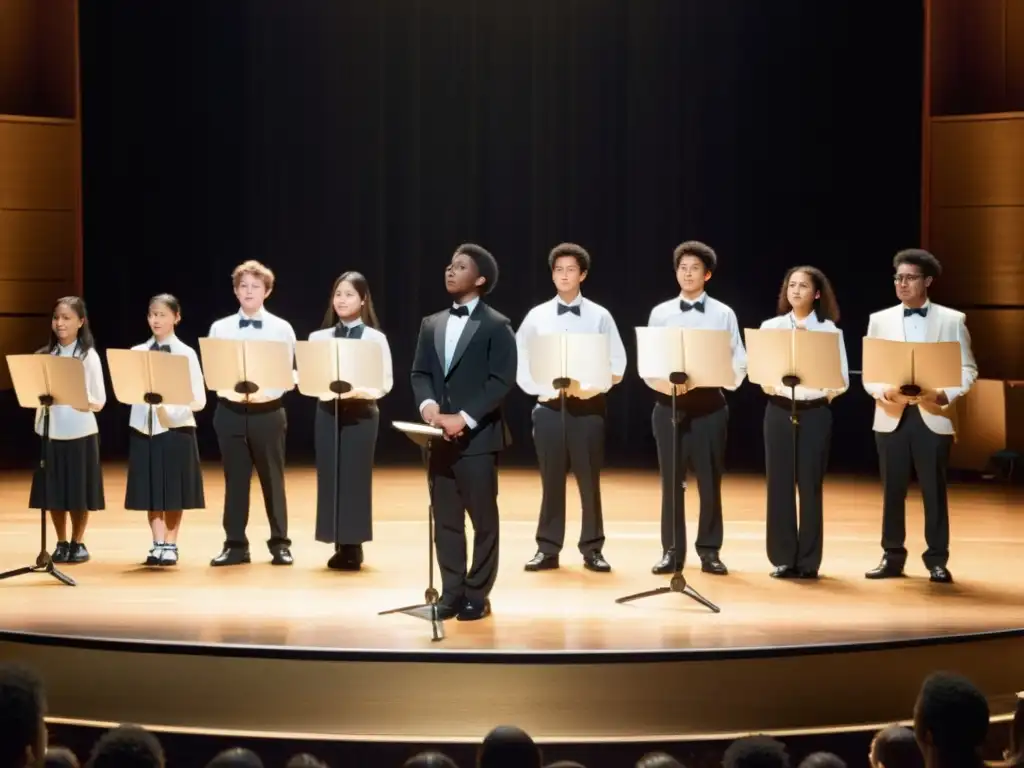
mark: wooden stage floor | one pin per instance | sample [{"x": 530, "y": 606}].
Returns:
[{"x": 566, "y": 610}]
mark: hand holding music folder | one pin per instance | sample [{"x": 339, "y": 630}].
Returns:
[
  {"x": 340, "y": 368},
  {"x": 704, "y": 356},
  {"x": 912, "y": 366},
  {"x": 573, "y": 363},
  {"x": 147, "y": 377},
  {"x": 246, "y": 367},
  {"x": 790, "y": 358}
]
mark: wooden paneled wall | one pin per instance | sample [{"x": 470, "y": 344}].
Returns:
[
  {"x": 973, "y": 201},
  {"x": 40, "y": 168}
]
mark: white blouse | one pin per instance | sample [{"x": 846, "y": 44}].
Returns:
[
  {"x": 66, "y": 423},
  {"x": 369, "y": 334},
  {"x": 172, "y": 416}
]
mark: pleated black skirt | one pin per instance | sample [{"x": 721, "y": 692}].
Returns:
[
  {"x": 351, "y": 521},
  {"x": 72, "y": 480},
  {"x": 177, "y": 476}
]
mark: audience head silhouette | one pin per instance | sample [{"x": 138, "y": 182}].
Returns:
[
  {"x": 236, "y": 758},
  {"x": 60, "y": 757},
  {"x": 822, "y": 760},
  {"x": 430, "y": 760},
  {"x": 756, "y": 752},
  {"x": 950, "y": 720},
  {"x": 508, "y": 747},
  {"x": 22, "y": 708},
  {"x": 658, "y": 760},
  {"x": 127, "y": 746},
  {"x": 895, "y": 747},
  {"x": 305, "y": 760}
]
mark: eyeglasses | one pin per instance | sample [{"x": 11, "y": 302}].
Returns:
[{"x": 905, "y": 279}]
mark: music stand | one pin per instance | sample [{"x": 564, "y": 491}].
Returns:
[
  {"x": 43, "y": 381},
  {"x": 668, "y": 358},
  {"x": 912, "y": 366},
  {"x": 569, "y": 360},
  {"x": 423, "y": 435},
  {"x": 246, "y": 367},
  {"x": 793, "y": 358},
  {"x": 333, "y": 368},
  {"x": 151, "y": 378}
]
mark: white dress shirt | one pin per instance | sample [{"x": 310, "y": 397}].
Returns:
[
  {"x": 273, "y": 328},
  {"x": 65, "y": 422},
  {"x": 544, "y": 320},
  {"x": 811, "y": 323},
  {"x": 915, "y": 327},
  {"x": 715, "y": 317},
  {"x": 172, "y": 416},
  {"x": 369, "y": 334},
  {"x": 452, "y": 334}
]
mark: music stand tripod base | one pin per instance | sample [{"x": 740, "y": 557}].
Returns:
[{"x": 678, "y": 582}]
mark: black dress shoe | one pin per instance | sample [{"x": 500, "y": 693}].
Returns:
[
  {"x": 886, "y": 569},
  {"x": 60, "y": 552},
  {"x": 784, "y": 572},
  {"x": 473, "y": 611},
  {"x": 940, "y": 575},
  {"x": 446, "y": 612},
  {"x": 348, "y": 557},
  {"x": 668, "y": 564},
  {"x": 809, "y": 574},
  {"x": 77, "y": 553},
  {"x": 232, "y": 556},
  {"x": 542, "y": 562},
  {"x": 281, "y": 556},
  {"x": 711, "y": 564},
  {"x": 594, "y": 561}
]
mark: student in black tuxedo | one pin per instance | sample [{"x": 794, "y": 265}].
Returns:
[{"x": 464, "y": 367}]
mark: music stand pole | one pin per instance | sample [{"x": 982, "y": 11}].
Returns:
[
  {"x": 793, "y": 381},
  {"x": 431, "y": 597},
  {"x": 678, "y": 582},
  {"x": 562, "y": 384},
  {"x": 339, "y": 388},
  {"x": 44, "y": 563}
]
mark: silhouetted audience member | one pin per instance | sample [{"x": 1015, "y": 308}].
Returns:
[
  {"x": 127, "y": 746},
  {"x": 305, "y": 760},
  {"x": 756, "y": 752},
  {"x": 1014, "y": 756},
  {"x": 565, "y": 764},
  {"x": 236, "y": 757},
  {"x": 509, "y": 747},
  {"x": 950, "y": 721},
  {"x": 61, "y": 757},
  {"x": 22, "y": 709},
  {"x": 430, "y": 760},
  {"x": 895, "y": 747},
  {"x": 658, "y": 760},
  {"x": 822, "y": 760}
]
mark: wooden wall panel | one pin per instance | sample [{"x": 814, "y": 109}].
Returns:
[
  {"x": 33, "y": 296},
  {"x": 977, "y": 161},
  {"x": 20, "y": 335},
  {"x": 17, "y": 20},
  {"x": 37, "y": 244},
  {"x": 982, "y": 253},
  {"x": 996, "y": 341},
  {"x": 968, "y": 56},
  {"x": 39, "y": 167},
  {"x": 38, "y": 69},
  {"x": 1015, "y": 54},
  {"x": 989, "y": 419}
]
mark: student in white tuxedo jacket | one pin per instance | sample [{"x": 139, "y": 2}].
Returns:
[{"x": 916, "y": 432}]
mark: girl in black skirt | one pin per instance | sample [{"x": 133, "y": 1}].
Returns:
[
  {"x": 73, "y": 479},
  {"x": 172, "y": 455},
  {"x": 349, "y": 315},
  {"x": 794, "y": 540}
]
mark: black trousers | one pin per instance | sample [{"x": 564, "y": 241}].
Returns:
[
  {"x": 350, "y": 519},
  {"x": 252, "y": 436},
  {"x": 703, "y": 425},
  {"x": 461, "y": 484},
  {"x": 583, "y": 450},
  {"x": 913, "y": 444},
  {"x": 790, "y": 543}
]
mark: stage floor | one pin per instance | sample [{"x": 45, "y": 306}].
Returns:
[{"x": 308, "y": 606}]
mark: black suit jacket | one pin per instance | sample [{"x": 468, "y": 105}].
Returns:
[{"x": 483, "y": 371}]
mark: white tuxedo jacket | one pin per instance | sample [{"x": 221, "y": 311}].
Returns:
[{"x": 942, "y": 324}]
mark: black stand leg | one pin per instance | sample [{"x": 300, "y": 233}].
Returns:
[
  {"x": 793, "y": 382},
  {"x": 152, "y": 400},
  {"x": 428, "y": 609},
  {"x": 678, "y": 582},
  {"x": 44, "y": 563}
]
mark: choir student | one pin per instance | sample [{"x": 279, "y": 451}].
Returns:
[
  {"x": 806, "y": 303},
  {"x": 465, "y": 365},
  {"x": 164, "y": 474},
  {"x": 251, "y": 430},
  {"x": 569, "y": 312},
  {"x": 73, "y": 480},
  {"x": 703, "y": 415},
  {"x": 348, "y": 525},
  {"x": 916, "y": 431}
]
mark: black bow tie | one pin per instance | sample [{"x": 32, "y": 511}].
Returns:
[
  {"x": 686, "y": 306},
  {"x": 922, "y": 311},
  {"x": 459, "y": 311},
  {"x": 563, "y": 308},
  {"x": 245, "y": 322},
  {"x": 160, "y": 347},
  {"x": 342, "y": 331}
]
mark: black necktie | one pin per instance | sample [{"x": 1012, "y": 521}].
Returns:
[
  {"x": 342, "y": 331},
  {"x": 160, "y": 347},
  {"x": 244, "y": 322},
  {"x": 459, "y": 311},
  {"x": 686, "y": 307},
  {"x": 563, "y": 308},
  {"x": 922, "y": 311}
]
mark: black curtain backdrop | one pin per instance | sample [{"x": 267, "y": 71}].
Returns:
[{"x": 325, "y": 135}]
